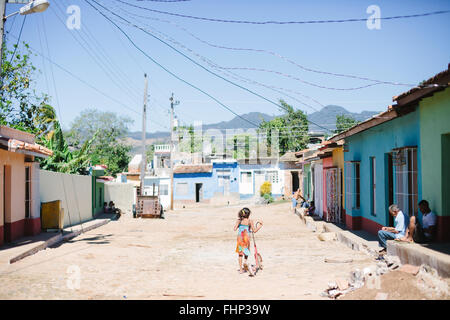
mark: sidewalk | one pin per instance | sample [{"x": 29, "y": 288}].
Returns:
[
  {"x": 26, "y": 246},
  {"x": 434, "y": 255}
]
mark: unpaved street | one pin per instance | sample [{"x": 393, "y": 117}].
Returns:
[{"x": 189, "y": 255}]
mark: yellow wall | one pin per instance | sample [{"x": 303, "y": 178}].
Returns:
[{"x": 338, "y": 161}]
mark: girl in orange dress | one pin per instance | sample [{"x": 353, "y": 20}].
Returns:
[{"x": 244, "y": 225}]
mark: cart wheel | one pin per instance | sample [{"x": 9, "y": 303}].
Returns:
[
  {"x": 260, "y": 262},
  {"x": 161, "y": 213}
]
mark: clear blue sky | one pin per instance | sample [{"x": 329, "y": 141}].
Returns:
[{"x": 406, "y": 51}]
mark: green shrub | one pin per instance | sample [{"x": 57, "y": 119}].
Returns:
[{"x": 268, "y": 198}]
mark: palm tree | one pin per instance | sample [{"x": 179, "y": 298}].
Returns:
[{"x": 45, "y": 121}]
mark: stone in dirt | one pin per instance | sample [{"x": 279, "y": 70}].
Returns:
[
  {"x": 414, "y": 270},
  {"x": 327, "y": 236},
  {"x": 342, "y": 284},
  {"x": 381, "y": 296}
]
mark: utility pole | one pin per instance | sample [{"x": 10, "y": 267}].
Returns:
[
  {"x": 144, "y": 136},
  {"x": 172, "y": 104},
  {"x": 2, "y": 27}
]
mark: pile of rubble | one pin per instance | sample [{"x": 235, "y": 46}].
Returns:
[
  {"x": 369, "y": 276},
  {"x": 428, "y": 280}
]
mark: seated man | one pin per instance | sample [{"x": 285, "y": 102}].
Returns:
[
  {"x": 426, "y": 232},
  {"x": 400, "y": 224}
]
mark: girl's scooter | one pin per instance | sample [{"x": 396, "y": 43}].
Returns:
[{"x": 258, "y": 258}]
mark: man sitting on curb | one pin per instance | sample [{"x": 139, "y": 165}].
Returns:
[
  {"x": 421, "y": 233},
  {"x": 388, "y": 233}
]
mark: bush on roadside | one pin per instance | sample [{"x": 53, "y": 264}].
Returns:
[{"x": 266, "y": 188}]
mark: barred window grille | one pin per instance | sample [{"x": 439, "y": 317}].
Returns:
[
  {"x": 272, "y": 176},
  {"x": 352, "y": 185},
  {"x": 405, "y": 168},
  {"x": 333, "y": 179}
]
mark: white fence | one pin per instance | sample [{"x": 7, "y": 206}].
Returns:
[
  {"x": 122, "y": 194},
  {"x": 74, "y": 191}
]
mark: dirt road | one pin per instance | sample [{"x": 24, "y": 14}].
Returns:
[{"x": 189, "y": 255}]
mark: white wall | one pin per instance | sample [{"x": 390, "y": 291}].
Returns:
[
  {"x": 122, "y": 194},
  {"x": 74, "y": 191}
]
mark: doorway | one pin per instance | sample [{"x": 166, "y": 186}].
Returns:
[
  {"x": 295, "y": 181},
  {"x": 198, "y": 192},
  {"x": 6, "y": 199},
  {"x": 390, "y": 190}
]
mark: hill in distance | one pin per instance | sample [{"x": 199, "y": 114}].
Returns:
[{"x": 325, "y": 118}]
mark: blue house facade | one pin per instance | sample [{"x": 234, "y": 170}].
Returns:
[
  {"x": 203, "y": 183},
  {"x": 382, "y": 167}
]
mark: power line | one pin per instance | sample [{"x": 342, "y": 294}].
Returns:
[
  {"x": 286, "y": 22},
  {"x": 275, "y": 54},
  {"x": 18, "y": 40},
  {"x": 98, "y": 60},
  {"x": 107, "y": 58},
  {"x": 187, "y": 57},
  {"x": 81, "y": 80},
  {"x": 233, "y": 75},
  {"x": 157, "y": 63}
]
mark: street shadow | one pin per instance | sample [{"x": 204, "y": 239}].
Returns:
[
  {"x": 439, "y": 247},
  {"x": 98, "y": 239}
]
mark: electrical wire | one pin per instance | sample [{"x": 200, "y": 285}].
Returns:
[
  {"x": 234, "y": 75},
  {"x": 97, "y": 60},
  {"x": 187, "y": 57},
  {"x": 272, "y": 53},
  {"x": 158, "y": 64},
  {"x": 18, "y": 40},
  {"x": 114, "y": 69},
  {"x": 286, "y": 22}
]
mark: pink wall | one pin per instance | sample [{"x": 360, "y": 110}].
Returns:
[{"x": 327, "y": 163}]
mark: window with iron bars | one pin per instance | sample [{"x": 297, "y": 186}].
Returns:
[
  {"x": 405, "y": 179},
  {"x": 352, "y": 185}
]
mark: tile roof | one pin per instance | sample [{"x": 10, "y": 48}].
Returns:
[
  {"x": 436, "y": 82},
  {"x": 193, "y": 168}
]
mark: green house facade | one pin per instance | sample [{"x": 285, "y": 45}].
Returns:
[{"x": 435, "y": 154}]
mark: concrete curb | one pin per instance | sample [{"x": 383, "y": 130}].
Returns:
[
  {"x": 416, "y": 255},
  {"x": 350, "y": 240},
  {"x": 56, "y": 240}
]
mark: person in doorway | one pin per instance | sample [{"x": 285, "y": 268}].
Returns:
[
  {"x": 424, "y": 233},
  {"x": 243, "y": 225},
  {"x": 311, "y": 210},
  {"x": 401, "y": 222}
]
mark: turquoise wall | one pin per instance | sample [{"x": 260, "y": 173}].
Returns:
[{"x": 377, "y": 142}]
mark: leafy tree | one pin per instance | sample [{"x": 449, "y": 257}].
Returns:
[
  {"x": 343, "y": 123},
  {"x": 291, "y": 128},
  {"x": 241, "y": 144},
  {"x": 21, "y": 107},
  {"x": 108, "y": 146},
  {"x": 187, "y": 139}
]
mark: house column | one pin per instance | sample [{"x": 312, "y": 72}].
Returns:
[{"x": 33, "y": 222}]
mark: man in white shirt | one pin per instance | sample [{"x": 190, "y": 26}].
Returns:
[
  {"x": 398, "y": 231},
  {"x": 422, "y": 233}
]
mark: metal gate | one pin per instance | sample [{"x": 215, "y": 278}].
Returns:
[{"x": 333, "y": 179}]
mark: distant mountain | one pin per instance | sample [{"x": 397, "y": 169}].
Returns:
[
  {"x": 238, "y": 122},
  {"x": 325, "y": 118}
]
